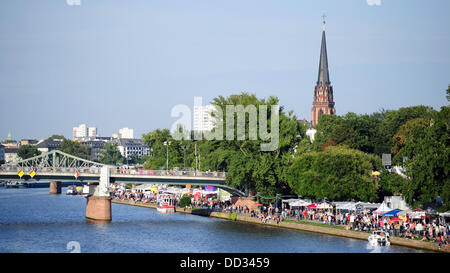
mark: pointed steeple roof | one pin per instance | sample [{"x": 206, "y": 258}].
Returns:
[{"x": 324, "y": 77}]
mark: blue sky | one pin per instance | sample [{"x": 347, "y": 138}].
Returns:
[{"x": 118, "y": 63}]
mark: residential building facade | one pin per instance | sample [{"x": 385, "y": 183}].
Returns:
[
  {"x": 11, "y": 154},
  {"x": 83, "y": 132},
  {"x": 128, "y": 147},
  {"x": 203, "y": 120}
]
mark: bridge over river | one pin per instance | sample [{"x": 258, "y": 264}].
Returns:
[{"x": 57, "y": 167}]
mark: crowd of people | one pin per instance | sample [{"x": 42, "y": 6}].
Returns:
[{"x": 426, "y": 229}]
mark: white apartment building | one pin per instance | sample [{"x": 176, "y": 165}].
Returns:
[
  {"x": 92, "y": 132},
  {"x": 84, "y": 132},
  {"x": 203, "y": 120},
  {"x": 128, "y": 147},
  {"x": 126, "y": 133}
]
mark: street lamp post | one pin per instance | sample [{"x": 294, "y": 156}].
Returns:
[
  {"x": 184, "y": 149},
  {"x": 167, "y": 143}
]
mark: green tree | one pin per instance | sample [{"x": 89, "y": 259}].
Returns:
[
  {"x": 185, "y": 201},
  {"x": 136, "y": 159},
  {"x": 400, "y": 137},
  {"x": 338, "y": 173},
  {"x": 448, "y": 93},
  {"x": 428, "y": 152},
  {"x": 75, "y": 149},
  {"x": 111, "y": 155},
  {"x": 158, "y": 151},
  {"x": 27, "y": 151},
  {"x": 249, "y": 168},
  {"x": 53, "y": 137},
  {"x": 390, "y": 184},
  {"x": 394, "y": 119}
]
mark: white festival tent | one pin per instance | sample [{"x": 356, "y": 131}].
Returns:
[
  {"x": 445, "y": 214},
  {"x": 299, "y": 203},
  {"x": 346, "y": 206},
  {"x": 324, "y": 206},
  {"x": 382, "y": 209}
]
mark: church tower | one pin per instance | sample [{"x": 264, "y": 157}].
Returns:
[{"x": 323, "y": 103}]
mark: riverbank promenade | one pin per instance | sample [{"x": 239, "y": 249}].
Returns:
[{"x": 310, "y": 226}]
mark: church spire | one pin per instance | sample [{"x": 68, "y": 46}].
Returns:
[
  {"x": 324, "y": 77},
  {"x": 323, "y": 103}
]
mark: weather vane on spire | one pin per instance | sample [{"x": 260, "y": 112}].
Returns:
[{"x": 323, "y": 22}]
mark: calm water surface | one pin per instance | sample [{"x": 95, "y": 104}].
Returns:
[{"x": 32, "y": 220}]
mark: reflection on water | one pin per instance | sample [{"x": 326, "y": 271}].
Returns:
[{"x": 31, "y": 220}]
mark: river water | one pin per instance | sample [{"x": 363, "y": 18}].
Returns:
[{"x": 32, "y": 220}]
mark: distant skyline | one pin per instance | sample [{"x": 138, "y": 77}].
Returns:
[{"x": 112, "y": 64}]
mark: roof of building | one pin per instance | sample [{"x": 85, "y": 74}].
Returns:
[
  {"x": 49, "y": 144},
  {"x": 324, "y": 77},
  {"x": 129, "y": 142}
]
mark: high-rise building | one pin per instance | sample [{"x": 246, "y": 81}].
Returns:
[
  {"x": 80, "y": 132},
  {"x": 126, "y": 133},
  {"x": 84, "y": 132},
  {"x": 203, "y": 120},
  {"x": 323, "y": 103},
  {"x": 92, "y": 132}
]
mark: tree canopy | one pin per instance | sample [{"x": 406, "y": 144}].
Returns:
[
  {"x": 75, "y": 149},
  {"x": 27, "y": 151},
  {"x": 111, "y": 155}
]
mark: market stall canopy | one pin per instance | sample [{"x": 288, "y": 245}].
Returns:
[
  {"x": 445, "y": 214},
  {"x": 313, "y": 206},
  {"x": 324, "y": 206},
  {"x": 346, "y": 206},
  {"x": 299, "y": 203},
  {"x": 418, "y": 214},
  {"x": 320, "y": 205},
  {"x": 392, "y": 212},
  {"x": 396, "y": 219},
  {"x": 382, "y": 209}
]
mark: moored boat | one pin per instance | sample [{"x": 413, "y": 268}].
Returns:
[
  {"x": 71, "y": 190},
  {"x": 379, "y": 238},
  {"x": 14, "y": 184},
  {"x": 165, "y": 202}
]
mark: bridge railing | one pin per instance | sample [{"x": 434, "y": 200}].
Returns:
[
  {"x": 26, "y": 170},
  {"x": 114, "y": 171},
  {"x": 170, "y": 173}
]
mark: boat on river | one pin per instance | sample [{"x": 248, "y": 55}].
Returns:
[
  {"x": 165, "y": 202},
  {"x": 71, "y": 190},
  {"x": 14, "y": 184},
  {"x": 379, "y": 238}
]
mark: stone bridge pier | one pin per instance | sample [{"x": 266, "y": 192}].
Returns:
[
  {"x": 98, "y": 202},
  {"x": 55, "y": 187}
]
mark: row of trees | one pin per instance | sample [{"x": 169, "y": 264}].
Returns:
[{"x": 337, "y": 165}]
